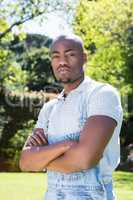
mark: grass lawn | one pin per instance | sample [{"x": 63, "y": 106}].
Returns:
[
  {"x": 31, "y": 186},
  {"x": 123, "y": 185}
]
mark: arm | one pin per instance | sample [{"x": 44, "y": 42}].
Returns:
[
  {"x": 87, "y": 153},
  {"x": 104, "y": 111},
  {"x": 36, "y": 153}
]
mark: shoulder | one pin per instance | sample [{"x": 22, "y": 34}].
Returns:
[
  {"x": 108, "y": 88},
  {"x": 105, "y": 100},
  {"x": 107, "y": 91},
  {"x": 99, "y": 89},
  {"x": 47, "y": 107}
]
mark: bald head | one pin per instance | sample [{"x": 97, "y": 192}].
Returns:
[
  {"x": 68, "y": 58},
  {"x": 74, "y": 39}
]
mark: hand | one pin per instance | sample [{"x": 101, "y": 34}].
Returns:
[{"x": 37, "y": 138}]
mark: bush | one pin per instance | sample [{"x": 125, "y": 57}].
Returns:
[{"x": 14, "y": 146}]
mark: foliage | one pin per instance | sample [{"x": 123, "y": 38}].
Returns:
[
  {"x": 21, "y": 67},
  {"x": 18, "y": 112},
  {"x": 16, "y": 78},
  {"x": 17, "y": 109},
  {"x": 18, "y": 12},
  {"x": 15, "y": 144},
  {"x": 107, "y": 30},
  {"x": 33, "y": 55},
  {"x": 38, "y": 66},
  {"x": 13, "y": 14},
  {"x": 11, "y": 76},
  {"x": 11, "y": 72}
]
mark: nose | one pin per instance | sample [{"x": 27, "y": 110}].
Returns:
[{"x": 62, "y": 61}]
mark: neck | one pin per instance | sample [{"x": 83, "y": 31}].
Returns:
[{"x": 71, "y": 86}]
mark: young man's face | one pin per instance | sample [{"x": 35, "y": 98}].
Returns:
[{"x": 67, "y": 59}]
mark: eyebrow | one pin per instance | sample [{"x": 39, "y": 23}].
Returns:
[{"x": 68, "y": 50}]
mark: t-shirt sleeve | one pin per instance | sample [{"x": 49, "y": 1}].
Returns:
[
  {"x": 43, "y": 116},
  {"x": 105, "y": 101}
]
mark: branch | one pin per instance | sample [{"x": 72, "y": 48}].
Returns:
[
  {"x": 19, "y": 23},
  {"x": 22, "y": 21}
]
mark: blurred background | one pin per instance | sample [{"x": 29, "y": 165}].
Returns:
[{"x": 27, "y": 28}]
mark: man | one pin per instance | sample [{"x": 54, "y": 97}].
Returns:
[{"x": 76, "y": 137}]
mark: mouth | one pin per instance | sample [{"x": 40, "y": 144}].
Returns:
[{"x": 63, "y": 70}]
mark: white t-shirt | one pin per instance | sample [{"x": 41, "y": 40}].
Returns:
[{"x": 68, "y": 115}]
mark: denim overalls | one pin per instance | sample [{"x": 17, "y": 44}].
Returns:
[
  {"x": 84, "y": 185},
  {"x": 65, "y": 122}
]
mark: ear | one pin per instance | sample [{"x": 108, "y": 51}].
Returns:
[{"x": 85, "y": 57}]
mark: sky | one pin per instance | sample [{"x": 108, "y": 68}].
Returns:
[{"x": 52, "y": 26}]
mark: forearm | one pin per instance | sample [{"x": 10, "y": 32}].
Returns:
[
  {"x": 71, "y": 161},
  {"x": 36, "y": 158},
  {"x": 63, "y": 164},
  {"x": 87, "y": 153},
  {"x": 74, "y": 160}
]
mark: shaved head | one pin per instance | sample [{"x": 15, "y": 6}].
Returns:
[
  {"x": 67, "y": 58},
  {"x": 75, "y": 39}
]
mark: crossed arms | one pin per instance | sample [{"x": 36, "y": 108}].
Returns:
[{"x": 68, "y": 156}]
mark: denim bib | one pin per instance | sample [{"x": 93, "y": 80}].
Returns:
[{"x": 83, "y": 185}]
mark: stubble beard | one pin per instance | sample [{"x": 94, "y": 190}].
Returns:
[
  {"x": 67, "y": 81},
  {"x": 70, "y": 80}
]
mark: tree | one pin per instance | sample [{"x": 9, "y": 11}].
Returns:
[
  {"x": 33, "y": 55},
  {"x": 107, "y": 30},
  {"x": 24, "y": 61},
  {"x": 16, "y": 13},
  {"x": 21, "y": 11}
]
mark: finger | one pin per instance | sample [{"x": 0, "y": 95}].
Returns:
[
  {"x": 40, "y": 132},
  {"x": 42, "y": 137},
  {"x": 34, "y": 140},
  {"x": 29, "y": 142}
]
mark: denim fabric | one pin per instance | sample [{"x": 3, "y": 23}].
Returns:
[
  {"x": 80, "y": 193},
  {"x": 84, "y": 185},
  {"x": 63, "y": 119},
  {"x": 109, "y": 191},
  {"x": 67, "y": 116}
]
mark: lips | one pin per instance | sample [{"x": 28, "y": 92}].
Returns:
[{"x": 63, "y": 69}]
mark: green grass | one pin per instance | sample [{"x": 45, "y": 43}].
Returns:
[
  {"x": 31, "y": 186},
  {"x": 22, "y": 186},
  {"x": 123, "y": 184}
]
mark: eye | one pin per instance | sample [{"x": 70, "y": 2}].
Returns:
[
  {"x": 55, "y": 56},
  {"x": 71, "y": 54}
]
